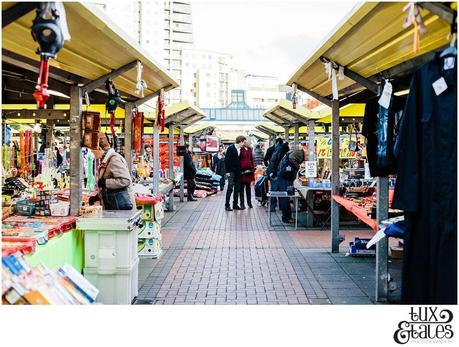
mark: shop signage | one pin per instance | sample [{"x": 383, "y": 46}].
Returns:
[
  {"x": 212, "y": 143},
  {"x": 324, "y": 147},
  {"x": 310, "y": 169}
]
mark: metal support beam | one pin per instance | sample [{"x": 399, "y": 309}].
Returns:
[
  {"x": 266, "y": 131},
  {"x": 442, "y": 11},
  {"x": 36, "y": 114},
  {"x": 182, "y": 179},
  {"x": 171, "y": 165},
  {"x": 89, "y": 87},
  {"x": 382, "y": 208},
  {"x": 299, "y": 119},
  {"x": 17, "y": 11},
  {"x": 370, "y": 85},
  {"x": 335, "y": 177},
  {"x": 129, "y": 107},
  {"x": 274, "y": 119},
  {"x": 296, "y": 135},
  {"x": 76, "y": 167},
  {"x": 152, "y": 95},
  {"x": 286, "y": 134},
  {"x": 155, "y": 187},
  {"x": 49, "y": 134},
  {"x": 322, "y": 99}
]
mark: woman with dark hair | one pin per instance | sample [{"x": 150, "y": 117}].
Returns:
[{"x": 247, "y": 169}]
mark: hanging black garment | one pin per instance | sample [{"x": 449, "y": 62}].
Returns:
[
  {"x": 426, "y": 186},
  {"x": 380, "y": 129}
]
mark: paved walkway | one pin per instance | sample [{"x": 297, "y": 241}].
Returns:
[{"x": 212, "y": 256}]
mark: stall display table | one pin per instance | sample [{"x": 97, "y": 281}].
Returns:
[
  {"x": 65, "y": 249},
  {"x": 360, "y": 212},
  {"x": 307, "y": 193}
]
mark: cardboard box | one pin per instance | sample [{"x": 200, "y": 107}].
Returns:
[
  {"x": 150, "y": 230},
  {"x": 149, "y": 248}
]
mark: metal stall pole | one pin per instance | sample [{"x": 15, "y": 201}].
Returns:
[
  {"x": 182, "y": 179},
  {"x": 382, "y": 213},
  {"x": 76, "y": 167},
  {"x": 49, "y": 134},
  {"x": 311, "y": 156},
  {"x": 286, "y": 134},
  {"x": 296, "y": 135},
  {"x": 128, "y": 134},
  {"x": 155, "y": 187},
  {"x": 171, "y": 165},
  {"x": 335, "y": 177}
]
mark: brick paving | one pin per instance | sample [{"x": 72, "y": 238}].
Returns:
[{"x": 212, "y": 256}]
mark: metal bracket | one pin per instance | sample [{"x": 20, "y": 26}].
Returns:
[
  {"x": 90, "y": 86},
  {"x": 298, "y": 118},
  {"x": 322, "y": 99},
  {"x": 442, "y": 11}
]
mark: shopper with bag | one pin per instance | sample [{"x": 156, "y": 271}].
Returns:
[
  {"x": 288, "y": 168},
  {"x": 114, "y": 179},
  {"x": 248, "y": 170}
]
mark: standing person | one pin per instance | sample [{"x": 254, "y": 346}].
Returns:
[
  {"x": 189, "y": 173},
  {"x": 273, "y": 168},
  {"x": 247, "y": 169},
  {"x": 122, "y": 151},
  {"x": 218, "y": 165},
  {"x": 114, "y": 179},
  {"x": 233, "y": 172},
  {"x": 258, "y": 155},
  {"x": 147, "y": 155},
  {"x": 288, "y": 169},
  {"x": 270, "y": 151}
]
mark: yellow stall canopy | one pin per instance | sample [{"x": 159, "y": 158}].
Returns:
[
  {"x": 349, "y": 111},
  {"x": 371, "y": 39},
  {"x": 183, "y": 113},
  {"x": 97, "y": 47},
  {"x": 283, "y": 113},
  {"x": 195, "y": 129}
]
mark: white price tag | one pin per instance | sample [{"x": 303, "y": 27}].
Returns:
[
  {"x": 310, "y": 169},
  {"x": 439, "y": 86},
  {"x": 386, "y": 95},
  {"x": 449, "y": 63}
]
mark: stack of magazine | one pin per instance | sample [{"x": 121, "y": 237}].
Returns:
[{"x": 23, "y": 285}]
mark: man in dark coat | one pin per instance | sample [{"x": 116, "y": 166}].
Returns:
[
  {"x": 189, "y": 173},
  {"x": 233, "y": 173},
  {"x": 270, "y": 151},
  {"x": 218, "y": 165},
  {"x": 273, "y": 168}
]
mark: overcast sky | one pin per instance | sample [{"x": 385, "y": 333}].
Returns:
[{"x": 265, "y": 37}]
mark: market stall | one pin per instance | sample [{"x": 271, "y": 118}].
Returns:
[
  {"x": 179, "y": 115},
  {"x": 79, "y": 73},
  {"x": 371, "y": 46}
]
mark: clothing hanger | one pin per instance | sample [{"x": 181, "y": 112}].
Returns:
[{"x": 451, "y": 50}]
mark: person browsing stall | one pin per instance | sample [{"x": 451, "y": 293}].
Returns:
[
  {"x": 189, "y": 174},
  {"x": 247, "y": 170},
  {"x": 114, "y": 179}
]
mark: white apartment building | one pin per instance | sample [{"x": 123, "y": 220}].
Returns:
[
  {"x": 260, "y": 91},
  {"x": 205, "y": 78},
  {"x": 163, "y": 28}
]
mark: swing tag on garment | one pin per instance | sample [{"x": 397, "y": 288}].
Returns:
[
  {"x": 439, "y": 86},
  {"x": 386, "y": 95},
  {"x": 449, "y": 63}
]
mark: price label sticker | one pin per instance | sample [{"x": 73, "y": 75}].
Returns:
[
  {"x": 439, "y": 86},
  {"x": 386, "y": 95},
  {"x": 449, "y": 63}
]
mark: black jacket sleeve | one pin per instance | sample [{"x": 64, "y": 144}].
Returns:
[{"x": 268, "y": 155}]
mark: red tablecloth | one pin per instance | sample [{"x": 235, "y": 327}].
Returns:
[{"x": 358, "y": 211}]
